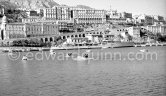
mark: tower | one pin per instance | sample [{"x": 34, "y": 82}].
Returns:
[{"x": 3, "y": 34}]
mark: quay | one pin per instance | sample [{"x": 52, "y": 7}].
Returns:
[{"x": 29, "y": 49}]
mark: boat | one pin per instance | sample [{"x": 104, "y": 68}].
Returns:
[
  {"x": 24, "y": 58},
  {"x": 116, "y": 44},
  {"x": 88, "y": 51},
  {"x": 143, "y": 50},
  {"x": 52, "y": 52},
  {"x": 79, "y": 58},
  {"x": 68, "y": 54}
]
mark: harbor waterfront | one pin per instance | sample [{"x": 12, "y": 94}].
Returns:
[
  {"x": 50, "y": 48},
  {"x": 95, "y": 77}
]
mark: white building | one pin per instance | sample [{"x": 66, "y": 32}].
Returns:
[
  {"x": 157, "y": 29},
  {"x": 89, "y": 16},
  {"x": 144, "y": 19},
  {"x": 158, "y": 20},
  {"x": 57, "y": 13},
  {"x": 134, "y": 31},
  {"x": 126, "y": 15},
  {"x": 3, "y": 34},
  {"x": 31, "y": 19}
]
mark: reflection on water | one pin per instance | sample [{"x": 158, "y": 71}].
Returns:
[{"x": 84, "y": 78}]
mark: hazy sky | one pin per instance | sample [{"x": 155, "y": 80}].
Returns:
[{"x": 149, "y": 7}]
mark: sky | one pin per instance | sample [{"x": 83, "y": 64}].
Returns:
[{"x": 149, "y": 7}]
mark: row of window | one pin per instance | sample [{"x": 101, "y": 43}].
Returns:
[
  {"x": 90, "y": 19},
  {"x": 15, "y": 28},
  {"x": 16, "y": 36}
]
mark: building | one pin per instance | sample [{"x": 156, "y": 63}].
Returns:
[
  {"x": 116, "y": 20},
  {"x": 158, "y": 20},
  {"x": 144, "y": 19},
  {"x": 157, "y": 29},
  {"x": 134, "y": 31},
  {"x": 63, "y": 25},
  {"x": 31, "y": 19},
  {"x": 114, "y": 14},
  {"x": 41, "y": 29},
  {"x": 126, "y": 15},
  {"x": 114, "y": 17},
  {"x": 3, "y": 34},
  {"x": 57, "y": 13},
  {"x": 15, "y": 30},
  {"x": 88, "y": 16}
]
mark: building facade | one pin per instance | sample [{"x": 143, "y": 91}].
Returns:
[
  {"x": 157, "y": 29},
  {"x": 31, "y": 19},
  {"x": 126, "y": 15},
  {"x": 134, "y": 31},
  {"x": 57, "y": 13},
  {"x": 114, "y": 14},
  {"x": 41, "y": 29},
  {"x": 145, "y": 20},
  {"x": 88, "y": 16},
  {"x": 15, "y": 30},
  {"x": 159, "y": 20}
]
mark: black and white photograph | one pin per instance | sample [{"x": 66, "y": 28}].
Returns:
[{"x": 82, "y": 47}]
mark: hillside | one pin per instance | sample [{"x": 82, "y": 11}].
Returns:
[
  {"x": 32, "y": 4},
  {"x": 29, "y": 4}
]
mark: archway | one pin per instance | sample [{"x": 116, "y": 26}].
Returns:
[
  {"x": 83, "y": 35},
  {"x": 51, "y": 39},
  {"x": 41, "y": 39},
  {"x": 79, "y": 35},
  {"x": 64, "y": 37},
  {"x": 46, "y": 39}
]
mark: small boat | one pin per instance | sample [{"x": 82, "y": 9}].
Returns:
[
  {"x": 86, "y": 56},
  {"x": 88, "y": 51},
  {"x": 80, "y": 58},
  {"x": 40, "y": 49},
  {"x": 135, "y": 45},
  {"x": 10, "y": 53},
  {"x": 144, "y": 50},
  {"x": 104, "y": 47},
  {"x": 143, "y": 45},
  {"x": 24, "y": 58},
  {"x": 68, "y": 54},
  {"x": 52, "y": 52}
]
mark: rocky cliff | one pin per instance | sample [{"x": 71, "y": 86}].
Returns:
[
  {"x": 29, "y": 4},
  {"x": 32, "y": 4}
]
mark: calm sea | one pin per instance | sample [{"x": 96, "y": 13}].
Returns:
[{"x": 110, "y": 72}]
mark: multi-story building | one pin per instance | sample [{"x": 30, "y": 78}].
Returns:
[
  {"x": 114, "y": 17},
  {"x": 145, "y": 19},
  {"x": 50, "y": 29},
  {"x": 158, "y": 19},
  {"x": 126, "y": 15},
  {"x": 57, "y": 13},
  {"x": 63, "y": 25},
  {"x": 34, "y": 29},
  {"x": 15, "y": 30},
  {"x": 41, "y": 29},
  {"x": 157, "y": 29},
  {"x": 114, "y": 14},
  {"x": 134, "y": 31},
  {"x": 89, "y": 16},
  {"x": 31, "y": 19}
]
